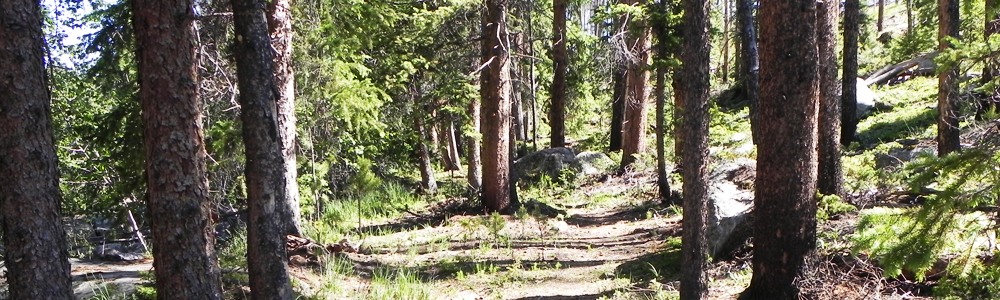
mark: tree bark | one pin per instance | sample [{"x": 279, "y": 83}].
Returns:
[
  {"x": 560, "y": 61},
  {"x": 475, "y": 174},
  {"x": 279, "y": 19},
  {"x": 830, "y": 180},
  {"x": 451, "y": 146},
  {"x": 266, "y": 258},
  {"x": 34, "y": 240},
  {"x": 617, "y": 108},
  {"x": 881, "y": 10},
  {"x": 991, "y": 68},
  {"x": 427, "y": 181},
  {"x": 786, "y": 163},
  {"x": 637, "y": 91},
  {"x": 849, "y": 83},
  {"x": 495, "y": 90},
  {"x": 692, "y": 86},
  {"x": 749, "y": 66},
  {"x": 725, "y": 41},
  {"x": 909, "y": 17},
  {"x": 948, "y": 132},
  {"x": 184, "y": 262}
]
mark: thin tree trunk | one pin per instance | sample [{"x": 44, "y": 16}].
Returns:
[
  {"x": 475, "y": 174},
  {"x": 534, "y": 85},
  {"x": 692, "y": 86},
  {"x": 279, "y": 19},
  {"x": 830, "y": 178},
  {"x": 427, "y": 180},
  {"x": 617, "y": 108},
  {"x": 909, "y": 17},
  {"x": 948, "y": 132},
  {"x": 451, "y": 146},
  {"x": 849, "y": 85},
  {"x": 495, "y": 91},
  {"x": 557, "y": 114},
  {"x": 991, "y": 66},
  {"x": 725, "y": 41},
  {"x": 749, "y": 67},
  {"x": 184, "y": 262},
  {"x": 786, "y": 163},
  {"x": 34, "y": 240},
  {"x": 637, "y": 92},
  {"x": 266, "y": 258},
  {"x": 881, "y": 10}
]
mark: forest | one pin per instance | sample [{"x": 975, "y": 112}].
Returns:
[{"x": 499, "y": 149}]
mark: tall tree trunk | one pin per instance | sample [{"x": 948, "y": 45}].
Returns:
[
  {"x": 184, "y": 262},
  {"x": 475, "y": 174},
  {"x": 279, "y": 21},
  {"x": 557, "y": 114},
  {"x": 881, "y": 10},
  {"x": 749, "y": 67},
  {"x": 495, "y": 90},
  {"x": 427, "y": 180},
  {"x": 786, "y": 163},
  {"x": 725, "y": 41},
  {"x": 532, "y": 83},
  {"x": 849, "y": 83},
  {"x": 991, "y": 68},
  {"x": 617, "y": 108},
  {"x": 518, "y": 91},
  {"x": 662, "y": 177},
  {"x": 637, "y": 91},
  {"x": 34, "y": 240},
  {"x": 909, "y": 17},
  {"x": 948, "y": 133},
  {"x": 830, "y": 180},
  {"x": 266, "y": 258},
  {"x": 692, "y": 86}
]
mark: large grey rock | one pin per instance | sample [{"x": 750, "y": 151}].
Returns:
[
  {"x": 730, "y": 203},
  {"x": 594, "y": 163},
  {"x": 549, "y": 162},
  {"x": 866, "y": 99},
  {"x": 898, "y": 156}
]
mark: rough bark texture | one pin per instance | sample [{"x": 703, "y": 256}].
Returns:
[
  {"x": 617, "y": 108},
  {"x": 427, "y": 181},
  {"x": 636, "y": 91},
  {"x": 279, "y": 21},
  {"x": 495, "y": 90},
  {"x": 830, "y": 180},
  {"x": 691, "y": 84},
  {"x": 749, "y": 62},
  {"x": 451, "y": 146},
  {"x": 786, "y": 161},
  {"x": 265, "y": 167},
  {"x": 947, "y": 123},
  {"x": 475, "y": 174},
  {"x": 662, "y": 177},
  {"x": 557, "y": 114},
  {"x": 35, "y": 243},
  {"x": 183, "y": 238},
  {"x": 881, "y": 12},
  {"x": 849, "y": 117}
]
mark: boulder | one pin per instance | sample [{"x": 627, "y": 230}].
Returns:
[
  {"x": 730, "y": 203},
  {"x": 555, "y": 162},
  {"x": 594, "y": 163},
  {"x": 898, "y": 156},
  {"x": 866, "y": 99}
]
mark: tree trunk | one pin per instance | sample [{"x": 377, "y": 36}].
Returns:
[
  {"x": 881, "y": 10},
  {"x": 991, "y": 66},
  {"x": 830, "y": 180},
  {"x": 662, "y": 177},
  {"x": 266, "y": 258},
  {"x": 475, "y": 174},
  {"x": 849, "y": 86},
  {"x": 184, "y": 262},
  {"x": 948, "y": 133},
  {"x": 427, "y": 180},
  {"x": 495, "y": 90},
  {"x": 451, "y": 146},
  {"x": 279, "y": 19},
  {"x": 617, "y": 108},
  {"x": 749, "y": 66},
  {"x": 557, "y": 114},
  {"x": 909, "y": 17},
  {"x": 725, "y": 41},
  {"x": 786, "y": 163},
  {"x": 34, "y": 240},
  {"x": 637, "y": 92},
  {"x": 518, "y": 92},
  {"x": 692, "y": 86}
]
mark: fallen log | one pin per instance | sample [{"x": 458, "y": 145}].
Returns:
[{"x": 923, "y": 64}]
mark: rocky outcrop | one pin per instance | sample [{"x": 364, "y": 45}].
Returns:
[
  {"x": 555, "y": 162},
  {"x": 730, "y": 205}
]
